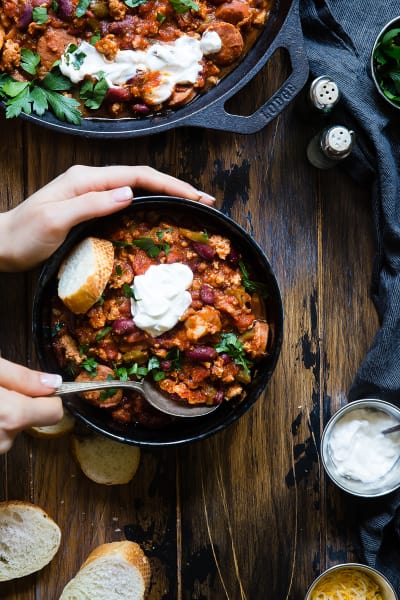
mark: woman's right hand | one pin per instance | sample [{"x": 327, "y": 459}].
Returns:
[{"x": 24, "y": 401}]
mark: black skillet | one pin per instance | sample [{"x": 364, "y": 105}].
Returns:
[{"x": 282, "y": 30}]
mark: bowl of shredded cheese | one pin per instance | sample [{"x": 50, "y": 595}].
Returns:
[{"x": 351, "y": 581}]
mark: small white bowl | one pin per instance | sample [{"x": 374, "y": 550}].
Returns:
[
  {"x": 334, "y": 458},
  {"x": 386, "y": 590}
]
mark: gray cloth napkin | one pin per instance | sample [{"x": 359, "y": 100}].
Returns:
[{"x": 339, "y": 36}]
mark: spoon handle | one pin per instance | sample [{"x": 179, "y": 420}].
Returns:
[
  {"x": 74, "y": 387},
  {"x": 392, "y": 429}
]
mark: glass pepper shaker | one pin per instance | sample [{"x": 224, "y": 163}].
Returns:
[
  {"x": 330, "y": 146},
  {"x": 319, "y": 98}
]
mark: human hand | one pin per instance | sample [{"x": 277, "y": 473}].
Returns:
[
  {"x": 33, "y": 230},
  {"x": 23, "y": 401}
]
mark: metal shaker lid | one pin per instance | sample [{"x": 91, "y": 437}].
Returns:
[
  {"x": 337, "y": 142},
  {"x": 324, "y": 93}
]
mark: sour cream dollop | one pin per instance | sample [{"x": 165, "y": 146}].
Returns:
[
  {"x": 161, "y": 297},
  {"x": 358, "y": 448},
  {"x": 175, "y": 62}
]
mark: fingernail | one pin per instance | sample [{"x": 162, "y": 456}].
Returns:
[
  {"x": 122, "y": 194},
  {"x": 204, "y": 196},
  {"x": 51, "y": 380}
]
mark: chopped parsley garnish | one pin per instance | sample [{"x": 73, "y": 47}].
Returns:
[
  {"x": 147, "y": 244},
  {"x": 94, "y": 92},
  {"x": 82, "y": 7},
  {"x": 39, "y": 15},
  {"x": 128, "y": 291},
  {"x": 57, "y": 327},
  {"x": 123, "y": 373},
  {"x": 252, "y": 286},
  {"x": 55, "y": 6},
  {"x": 83, "y": 349},
  {"x": 118, "y": 270},
  {"x": 90, "y": 365},
  {"x": 134, "y": 3},
  {"x": 231, "y": 345},
  {"x": 182, "y": 6},
  {"x": 95, "y": 38},
  {"x": 160, "y": 17},
  {"x": 103, "y": 333}
]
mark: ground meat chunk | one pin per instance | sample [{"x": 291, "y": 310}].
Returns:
[
  {"x": 108, "y": 46},
  {"x": 203, "y": 322},
  {"x": 233, "y": 12},
  {"x": 117, "y": 9},
  {"x": 101, "y": 398},
  {"x": 11, "y": 55}
]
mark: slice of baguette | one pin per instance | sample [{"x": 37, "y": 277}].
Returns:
[
  {"x": 113, "y": 571},
  {"x": 66, "y": 425},
  {"x": 105, "y": 461},
  {"x": 29, "y": 539},
  {"x": 84, "y": 274}
]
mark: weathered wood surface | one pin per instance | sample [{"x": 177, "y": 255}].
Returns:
[{"x": 247, "y": 514}]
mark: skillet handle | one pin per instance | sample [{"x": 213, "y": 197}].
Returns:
[{"x": 214, "y": 115}]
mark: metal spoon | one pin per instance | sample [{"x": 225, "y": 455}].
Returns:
[
  {"x": 147, "y": 389},
  {"x": 391, "y": 429}
]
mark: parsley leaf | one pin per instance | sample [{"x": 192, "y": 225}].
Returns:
[
  {"x": 182, "y": 6},
  {"x": 56, "y": 82},
  {"x": 231, "y": 345},
  {"x": 39, "y": 15},
  {"x": 134, "y": 3},
  {"x": 39, "y": 100},
  {"x": 128, "y": 291},
  {"x": 250, "y": 286},
  {"x": 147, "y": 244},
  {"x": 90, "y": 365},
  {"x": 65, "y": 109},
  {"x": 94, "y": 92},
  {"x": 103, "y": 333},
  {"x": 29, "y": 61},
  {"x": 19, "y": 103},
  {"x": 82, "y": 7}
]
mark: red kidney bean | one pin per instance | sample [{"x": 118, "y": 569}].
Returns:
[
  {"x": 25, "y": 17},
  {"x": 226, "y": 359},
  {"x": 117, "y": 94},
  {"x": 233, "y": 257},
  {"x": 141, "y": 109},
  {"x": 207, "y": 294},
  {"x": 204, "y": 250},
  {"x": 219, "y": 396},
  {"x": 166, "y": 365},
  {"x": 123, "y": 326},
  {"x": 66, "y": 9},
  {"x": 201, "y": 353}
]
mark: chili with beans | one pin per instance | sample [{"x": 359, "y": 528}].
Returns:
[{"x": 208, "y": 357}]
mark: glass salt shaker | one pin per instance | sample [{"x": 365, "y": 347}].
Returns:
[
  {"x": 330, "y": 146},
  {"x": 319, "y": 98}
]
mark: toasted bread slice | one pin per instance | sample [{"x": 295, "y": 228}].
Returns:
[
  {"x": 84, "y": 274},
  {"x": 66, "y": 425},
  {"x": 29, "y": 539},
  {"x": 105, "y": 461},
  {"x": 112, "y": 571}
]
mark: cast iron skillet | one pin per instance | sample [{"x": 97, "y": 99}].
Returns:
[
  {"x": 180, "y": 431},
  {"x": 282, "y": 30}
]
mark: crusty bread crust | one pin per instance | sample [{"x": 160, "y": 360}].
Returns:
[
  {"x": 29, "y": 539},
  {"x": 107, "y": 570},
  {"x": 124, "y": 550},
  {"x": 84, "y": 273}
]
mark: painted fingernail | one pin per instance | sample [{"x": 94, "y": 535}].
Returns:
[
  {"x": 51, "y": 380},
  {"x": 122, "y": 194},
  {"x": 204, "y": 196}
]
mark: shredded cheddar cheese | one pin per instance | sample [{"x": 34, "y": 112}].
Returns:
[{"x": 346, "y": 584}]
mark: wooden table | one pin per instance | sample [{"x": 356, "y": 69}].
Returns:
[{"x": 249, "y": 513}]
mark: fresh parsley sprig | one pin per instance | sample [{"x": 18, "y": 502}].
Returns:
[
  {"x": 233, "y": 347},
  {"x": 182, "y": 6},
  {"x": 252, "y": 287},
  {"x": 39, "y": 95},
  {"x": 94, "y": 92}
]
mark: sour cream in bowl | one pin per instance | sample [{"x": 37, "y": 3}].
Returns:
[{"x": 356, "y": 454}]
